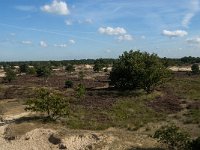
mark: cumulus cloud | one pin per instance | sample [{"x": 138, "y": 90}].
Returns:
[
  {"x": 193, "y": 40},
  {"x": 43, "y": 44},
  {"x": 56, "y": 7},
  {"x": 72, "y": 42},
  {"x": 126, "y": 37},
  {"x": 194, "y": 8},
  {"x": 60, "y": 45},
  {"x": 112, "y": 31},
  {"x": 26, "y": 42},
  {"x": 176, "y": 33}
]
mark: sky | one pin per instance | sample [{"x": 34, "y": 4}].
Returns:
[{"x": 81, "y": 29}]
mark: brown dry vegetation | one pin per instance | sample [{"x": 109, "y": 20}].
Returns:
[{"x": 101, "y": 108}]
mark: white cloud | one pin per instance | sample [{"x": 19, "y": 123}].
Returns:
[
  {"x": 126, "y": 37},
  {"x": 68, "y": 22},
  {"x": 56, "y": 7},
  {"x": 43, "y": 44},
  {"x": 26, "y": 42},
  {"x": 112, "y": 31},
  {"x": 72, "y": 41},
  {"x": 176, "y": 33},
  {"x": 60, "y": 45},
  {"x": 194, "y": 8},
  {"x": 193, "y": 40}
]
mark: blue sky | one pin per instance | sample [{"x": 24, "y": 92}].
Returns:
[{"x": 77, "y": 29}]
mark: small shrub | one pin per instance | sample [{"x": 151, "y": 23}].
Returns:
[
  {"x": 53, "y": 104},
  {"x": 43, "y": 71},
  {"x": 195, "y": 69},
  {"x": 31, "y": 71},
  {"x": 173, "y": 137},
  {"x": 23, "y": 68},
  {"x": 81, "y": 91},
  {"x": 10, "y": 75},
  {"x": 195, "y": 144},
  {"x": 69, "y": 68},
  {"x": 68, "y": 84},
  {"x": 81, "y": 75}
]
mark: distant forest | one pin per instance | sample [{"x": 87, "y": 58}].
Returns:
[{"x": 166, "y": 61}]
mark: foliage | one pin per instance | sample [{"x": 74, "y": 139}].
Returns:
[
  {"x": 172, "y": 137},
  {"x": 68, "y": 84},
  {"x": 138, "y": 70},
  {"x": 10, "y": 75},
  {"x": 81, "y": 75},
  {"x": 195, "y": 69},
  {"x": 31, "y": 71},
  {"x": 195, "y": 144},
  {"x": 43, "y": 71},
  {"x": 81, "y": 91},
  {"x": 23, "y": 68},
  {"x": 69, "y": 68},
  {"x": 53, "y": 104},
  {"x": 98, "y": 65}
]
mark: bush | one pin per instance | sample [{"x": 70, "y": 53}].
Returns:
[
  {"x": 43, "y": 71},
  {"x": 138, "y": 70},
  {"x": 68, "y": 84},
  {"x": 69, "y": 68},
  {"x": 98, "y": 65},
  {"x": 173, "y": 137},
  {"x": 31, "y": 71},
  {"x": 23, "y": 68},
  {"x": 195, "y": 144},
  {"x": 81, "y": 91},
  {"x": 10, "y": 75},
  {"x": 81, "y": 75},
  {"x": 53, "y": 104},
  {"x": 195, "y": 69}
]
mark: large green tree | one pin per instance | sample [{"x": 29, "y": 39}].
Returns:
[{"x": 135, "y": 69}]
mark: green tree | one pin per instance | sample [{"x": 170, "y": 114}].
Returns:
[
  {"x": 23, "y": 68},
  {"x": 43, "y": 71},
  {"x": 138, "y": 70},
  {"x": 69, "y": 68},
  {"x": 98, "y": 65},
  {"x": 10, "y": 75},
  {"x": 195, "y": 69},
  {"x": 173, "y": 137},
  {"x": 52, "y": 104},
  {"x": 31, "y": 71}
]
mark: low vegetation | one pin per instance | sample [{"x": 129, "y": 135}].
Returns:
[{"x": 175, "y": 139}]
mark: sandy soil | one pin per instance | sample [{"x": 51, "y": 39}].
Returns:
[{"x": 63, "y": 138}]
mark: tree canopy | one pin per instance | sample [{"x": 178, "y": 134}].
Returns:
[{"x": 135, "y": 69}]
